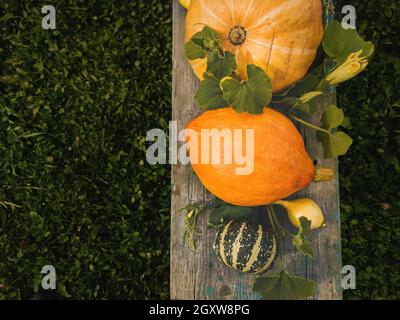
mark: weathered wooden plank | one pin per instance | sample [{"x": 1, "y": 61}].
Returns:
[{"x": 198, "y": 275}]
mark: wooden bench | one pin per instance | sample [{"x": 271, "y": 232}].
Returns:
[{"x": 199, "y": 275}]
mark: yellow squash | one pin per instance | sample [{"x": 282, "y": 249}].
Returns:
[{"x": 303, "y": 208}]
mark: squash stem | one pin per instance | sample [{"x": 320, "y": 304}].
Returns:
[
  {"x": 279, "y": 232},
  {"x": 310, "y": 125},
  {"x": 293, "y": 108},
  {"x": 282, "y": 229},
  {"x": 322, "y": 85},
  {"x": 323, "y": 174}
]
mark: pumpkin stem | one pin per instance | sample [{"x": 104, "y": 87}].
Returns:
[
  {"x": 323, "y": 174},
  {"x": 237, "y": 35}
]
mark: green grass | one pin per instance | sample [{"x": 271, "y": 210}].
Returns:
[
  {"x": 75, "y": 189},
  {"x": 370, "y": 172},
  {"x": 75, "y": 106}
]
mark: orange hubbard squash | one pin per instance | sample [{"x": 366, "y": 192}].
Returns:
[
  {"x": 281, "y": 163},
  {"x": 280, "y": 36}
]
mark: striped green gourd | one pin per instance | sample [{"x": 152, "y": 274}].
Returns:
[{"x": 245, "y": 246}]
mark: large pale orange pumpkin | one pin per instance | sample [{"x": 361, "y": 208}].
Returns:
[
  {"x": 281, "y": 163},
  {"x": 280, "y": 36}
]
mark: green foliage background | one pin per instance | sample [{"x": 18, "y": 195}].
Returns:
[
  {"x": 370, "y": 172},
  {"x": 75, "y": 189},
  {"x": 75, "y": 106}
]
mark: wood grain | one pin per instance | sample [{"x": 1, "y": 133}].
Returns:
[{"x": 198, "y": 275}]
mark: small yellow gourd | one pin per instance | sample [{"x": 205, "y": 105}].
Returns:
[{"x": 303, "y": 208}]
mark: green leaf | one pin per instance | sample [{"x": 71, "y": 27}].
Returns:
[
  {"x": 311, "y": 107},
  {"x": 284, "y": 286},
  {"x": 209, "y": 95},
  {"x": 305, "y": 226},
  {"x": 303, "y": 245},
  {"x": 63, "y": 290},
  {"x": 300, "y": 241},
  {"x": 194, "y": 51},
  {"x": 221, "y": 65},
  {"x": 251, "y": 95},
  {"x": 202, "y": 43},
  {"x": 307, "y": 249},
  {"x": 335, "y": 144},
  {"x": 227, "y": 212},
  {"x": 338, "y": 42},
  {"x": 190, "y": 233},
  {"x": 309, "y": 83},
  {"x": 332, "y": 117},
  {"x": 347, "y": 123}
]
